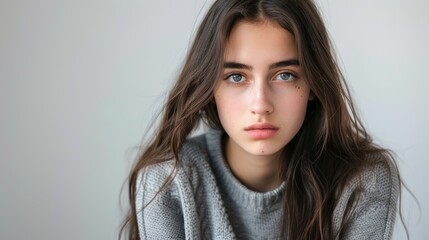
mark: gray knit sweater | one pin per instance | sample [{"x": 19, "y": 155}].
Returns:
[{"x": 205, "y": 200}]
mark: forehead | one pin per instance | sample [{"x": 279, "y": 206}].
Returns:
[{"x": 264, "y": 40}]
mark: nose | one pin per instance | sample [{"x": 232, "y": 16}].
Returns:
[{"x": 261, "y": 100}]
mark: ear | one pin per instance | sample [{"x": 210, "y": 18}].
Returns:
[{"x": 311, "y": 97}]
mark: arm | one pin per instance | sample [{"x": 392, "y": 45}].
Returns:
[
  {"x": 375, "y": 212},
  {"x": 159, "y": 216}
]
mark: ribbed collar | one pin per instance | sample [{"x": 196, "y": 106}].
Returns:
[{"x": 256, "y": 201}]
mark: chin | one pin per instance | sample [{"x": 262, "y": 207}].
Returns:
[{"x": 264, "y": 151}]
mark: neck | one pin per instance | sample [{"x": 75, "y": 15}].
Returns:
[{"x": 257, "y": 172}]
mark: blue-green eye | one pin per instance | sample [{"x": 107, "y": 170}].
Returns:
[
  {"x": 235, "y": 78},
  {"x": 286, "y": 76}
]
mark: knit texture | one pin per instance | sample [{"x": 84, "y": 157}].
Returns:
[{"x": 206, "y": 201}]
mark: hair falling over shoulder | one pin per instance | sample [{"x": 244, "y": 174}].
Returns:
[{"x": 329, "y": 150}]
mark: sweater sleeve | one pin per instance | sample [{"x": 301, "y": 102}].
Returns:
[
  {"x": 159, "y": 215},
  {"x": 375, "y": 212}
]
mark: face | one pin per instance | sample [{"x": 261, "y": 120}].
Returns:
[{"x": 261, "y": 97}]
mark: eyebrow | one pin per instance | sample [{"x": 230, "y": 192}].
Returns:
[{"x": 284, "y": 63}]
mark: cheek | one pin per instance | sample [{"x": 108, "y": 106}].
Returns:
[
  {"x": 226, "y": 106},
  {"x": 300, "y": 106},
  {"x": 229, "y": 107},
  {"x": 302, "y": 89},
  {"x": 301, "y": 99},
  {"x": 294, "y": 106}
]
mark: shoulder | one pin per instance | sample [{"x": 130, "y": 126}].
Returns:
[
  {"x": 156, "y": 181},
  {"x": 173, "y": 174},
  {"x": 378, "y": 178},
  {"x": 368, "y": 203},
  {"x": 193, "y": 149},
  {"x": 194, "y": 161},
  {"x": 380, "y": 174},
  {"x": 200, "y": 152}
]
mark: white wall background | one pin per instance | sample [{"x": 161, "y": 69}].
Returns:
[{"x": 80, "y": 80}]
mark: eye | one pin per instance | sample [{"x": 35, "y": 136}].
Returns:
[
  {"x": 235, "y": 78},
  {"x": 286, "y": 76}
]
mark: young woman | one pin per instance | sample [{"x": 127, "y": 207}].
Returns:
[{"x": 285, "y": 156}]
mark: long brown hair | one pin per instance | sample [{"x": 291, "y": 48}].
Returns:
[{"x": 331, "y": 146}]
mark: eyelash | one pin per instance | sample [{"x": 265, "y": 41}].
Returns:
[
  {"x": 292, "y": 75},
  {"x": 234, "y": 74}
]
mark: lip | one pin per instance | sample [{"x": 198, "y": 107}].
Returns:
[
  {"x": 261, "y": 130},
  {"x": 261, "y": 126}
]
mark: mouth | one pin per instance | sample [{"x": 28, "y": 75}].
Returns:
[
  {"x": 261, "y": 126},
  {"x": 261, "y": 130}
]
